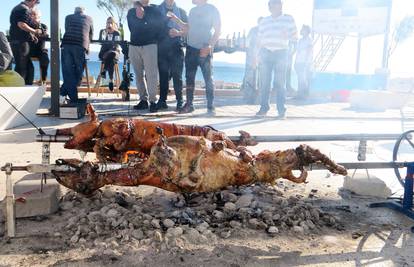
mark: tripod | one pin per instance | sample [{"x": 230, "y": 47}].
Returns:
[{"x": 127, "y": 76}]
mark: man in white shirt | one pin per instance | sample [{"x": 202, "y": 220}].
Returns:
[{"x": 275, "y": 33}]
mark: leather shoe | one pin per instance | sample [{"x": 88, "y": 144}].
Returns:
[{"x": 141, "y": 105}]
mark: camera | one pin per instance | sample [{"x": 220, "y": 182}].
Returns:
[{"x": 127, "y": 76}]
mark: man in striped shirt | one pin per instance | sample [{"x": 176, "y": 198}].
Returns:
[{"x": 276, "y": 32}]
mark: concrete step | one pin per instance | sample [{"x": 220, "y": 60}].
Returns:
[{"x": 30, "y": 202}]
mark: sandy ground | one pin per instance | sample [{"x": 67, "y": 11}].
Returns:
[{"x": 370, "y": 237}]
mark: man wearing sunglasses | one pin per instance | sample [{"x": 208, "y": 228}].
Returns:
[{"x": 21, "y": 34}]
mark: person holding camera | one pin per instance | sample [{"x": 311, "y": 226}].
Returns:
[{"x": 21, "y": 35}]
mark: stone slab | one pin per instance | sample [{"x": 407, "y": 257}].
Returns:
[
  {"x": 370, "y": 186},
  {"x": 30, "y": 201}
]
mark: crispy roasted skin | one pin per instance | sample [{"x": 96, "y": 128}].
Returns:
[
  {"x": 111, "y": 139},
  {"x": 195, "y": 164}
]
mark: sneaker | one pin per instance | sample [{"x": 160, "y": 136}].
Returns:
[
  {"x": 142, "y": 105},
  {"x": 281, "y": 116},
  {"x": 153, "y": 107},
  {"x": 62, "y": 100},
  {"x": 179, "y": 105},
  {"x": 188, "y": 108},
  {"x": 211, "y": 111},
  {"x": 262, "y": 112},
  {"x": 111, "y": 86},
  {"x": 162, "y": 105}
]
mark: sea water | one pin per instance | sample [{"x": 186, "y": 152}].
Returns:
[{"x": 231, "y": 73}]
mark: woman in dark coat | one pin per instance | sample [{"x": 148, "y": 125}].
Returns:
[{"x": 110, "y": 50}]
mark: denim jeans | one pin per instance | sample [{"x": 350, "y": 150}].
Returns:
[
  {"x": 303, "y": 70},
  {"x": 192, "y": 61},
  {"x": 171, "y": 64},
  {"x": 73, "y": 62},
  {"x": 273, "y": 62}
]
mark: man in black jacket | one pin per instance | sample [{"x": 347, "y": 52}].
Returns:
[
  {"x": 21, "y": 34},
  {"x": 171, "y": 54},
  {"x": 75, "y": 43},
  {"x": 146, "y": 25}
]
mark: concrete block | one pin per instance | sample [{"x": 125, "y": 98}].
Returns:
[
  {"x": 371, "y": 186},
  {"x": 30, "y": 202}
]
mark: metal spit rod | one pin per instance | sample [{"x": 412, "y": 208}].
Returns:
[
  {"x": 48, "y": 168},
  {"x": 269, "y": 138}
]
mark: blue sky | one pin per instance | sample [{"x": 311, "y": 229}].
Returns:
[{"x": 239, "y": 15}]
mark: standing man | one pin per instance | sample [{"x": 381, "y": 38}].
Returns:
[
  {"x": 275, "y": 33},
  {"x": 75, "y": 43},
  {"x": 146, "y": 25},
  {"x": 21, "y": 35},
  {"x": 303, "y": 62},
  {"x": 171, "y": 54},
  {"x": 204, "y": 19},
  {"x": 250, "y": 75}
]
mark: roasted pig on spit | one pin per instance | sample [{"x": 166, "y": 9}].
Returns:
[
  {"x": 195, "y": 164},
  {"x": 112, "y": 139}
]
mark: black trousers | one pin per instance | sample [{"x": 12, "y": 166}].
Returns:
[
  {"x": 41, "y": 54},
  {"x": 171, "y": 64},
  {"x": 110, "y": 58},
  {"x": 24, "y": 66}
]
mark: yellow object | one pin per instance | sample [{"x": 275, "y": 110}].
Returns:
[{"x": 10, "y": 78}]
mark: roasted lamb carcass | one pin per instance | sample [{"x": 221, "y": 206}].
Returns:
[
  {"x": 111, "y": 139},
  {"x": 195, "y": 164}
]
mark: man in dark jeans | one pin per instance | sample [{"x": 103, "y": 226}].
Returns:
[
  {"x": 203, "y": 18},
  {"x": 21, "y": 34},
  {"x": 171, "y": 55},
  {"x": 75, "y": 42}
]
